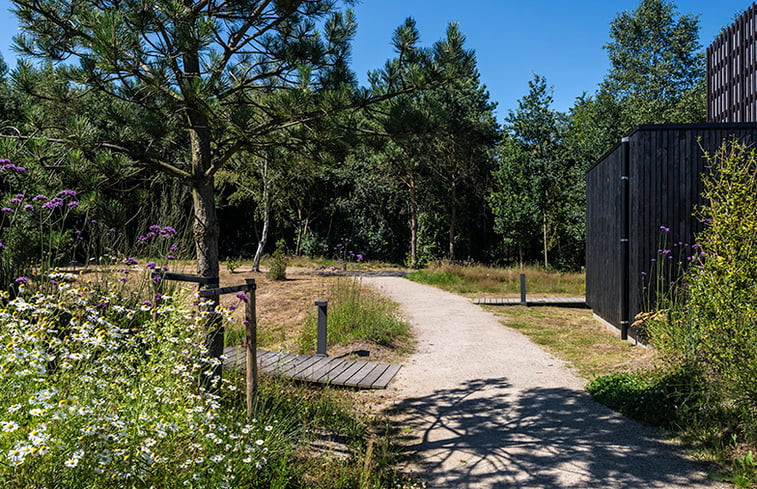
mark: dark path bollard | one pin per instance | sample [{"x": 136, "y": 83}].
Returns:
[
  {"x": 320, "y": 349},
  {"x": 523, "y": 290}
]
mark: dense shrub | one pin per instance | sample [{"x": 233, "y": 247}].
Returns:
[
  {"x": 721, "y": 288},
  {"x": 660, "y": 399},
  {"x": 278, "y": 267}
]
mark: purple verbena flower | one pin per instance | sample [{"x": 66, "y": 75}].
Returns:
[
  {"x": 154, "y": 228},
  {"x": 39, "y": 197},
  {"x": 15, "y": 200},
  {"x": 174, "y": 248},
  {"x": 67, "y": 193},
  {"x": 73, "y": 203},
  {"x": 242, "y": 297},
  {"x": 131, "y": 261},
  {"x": 53, "y": 203},
  {"x": 6, "y": 209},
  {"x": 231, "y": 307},
  {"x": 151, "y": 265},
  {"x": 170, "y": 257},
  {"x": 22, "y": 280},
  {"x": 28, "y": 207}
]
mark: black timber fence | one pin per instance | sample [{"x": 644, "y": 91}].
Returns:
[{"x": 651, "y": 179}]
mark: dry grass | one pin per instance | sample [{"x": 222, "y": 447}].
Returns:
[
  {"x": 575, "y": 336},
  {"x": 481, "y": 280},
  {"x": 283, "y": 307}
]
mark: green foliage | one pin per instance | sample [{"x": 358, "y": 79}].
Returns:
[
  {"x": 231, "y": 264},
  {"x": 357, "y": 313},
  {"x": 277, "y": 269},
  {"x": 657, "y": 65},
  {"x": 721, "y": 289},
  {"x": 441, "y": 142},
  {"x": 706, "y": 322},
  {"x": 660, "y": 399},
  {"x": 531, "y": 199}
]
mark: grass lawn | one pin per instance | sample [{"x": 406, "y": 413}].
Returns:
[
  {"x": 574, "y": 335},
  {"x": 480, "y": 280}
]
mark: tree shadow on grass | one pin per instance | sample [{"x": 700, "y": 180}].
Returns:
[{"x": 484, "y": 434}]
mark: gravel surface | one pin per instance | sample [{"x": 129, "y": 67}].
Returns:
[{"x": 480, "y": 406}]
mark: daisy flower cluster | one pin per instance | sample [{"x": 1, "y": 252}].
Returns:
[{"x": 94, "y": 396}]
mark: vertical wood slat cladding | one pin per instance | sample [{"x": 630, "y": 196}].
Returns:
[
  {"x": 732, "y": 72},
  {"x": 603, "y": 224},
  {"x": 666, "y": 164}
]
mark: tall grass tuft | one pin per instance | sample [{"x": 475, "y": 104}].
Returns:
[{"x": 357, "y": 313}]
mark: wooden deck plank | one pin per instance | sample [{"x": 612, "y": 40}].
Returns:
[
  {"x": 298, "y": 365},
  {"x": 327, "y": 377},
  {"x": 312, "y": 368},
  {"x": 334, "y": 366},
  {"x": 276, "y": 360},
  {"x": 371, "y": 377},
  {"x": 348, "y": 373},
  {"x": 386, "y": 377},
  {"x": 535, "y": 301},
  {"x": 307, "y": 368},
  {"x": 272, "y": 357}
]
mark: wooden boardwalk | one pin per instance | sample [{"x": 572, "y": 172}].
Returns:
[
  {"x": 535, "y": 301},
  {"x": 312, "y": 368}
]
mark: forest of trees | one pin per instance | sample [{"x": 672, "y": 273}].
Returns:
[{"x": 243, "y": 122}]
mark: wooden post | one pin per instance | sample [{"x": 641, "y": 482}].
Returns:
[
  {"x": 320, "y": 348},
  {"x": 523, "y": 290},
  {"x": 251, "y": 344}
]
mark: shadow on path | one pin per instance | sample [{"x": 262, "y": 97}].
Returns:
[{"x": 483, "y": 433}]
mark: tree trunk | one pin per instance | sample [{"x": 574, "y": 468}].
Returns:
[
  {"x": 452, "y": 219},
  {"x": 266, "y": 220},
  {"x": 544, "y": 236},
  {"x": 413, "y": 223},
  {"x": 206, "y": 230},
  {"x": 263, "y": 238},
  {"x": 206, "y": 227}
]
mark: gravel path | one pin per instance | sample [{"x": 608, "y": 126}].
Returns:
[{"x": 480, "y": 406}]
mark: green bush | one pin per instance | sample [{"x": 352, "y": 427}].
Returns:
[
  {"x": 278, "y": 267},
  {"x": 721, "y": 286},
  {"x": 660, "y": 399}
]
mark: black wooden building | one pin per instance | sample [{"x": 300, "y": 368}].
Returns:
[{"x": 652, "y": 179}]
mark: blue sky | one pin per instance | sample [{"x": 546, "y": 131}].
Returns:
[{"x": 559, "y": 39}]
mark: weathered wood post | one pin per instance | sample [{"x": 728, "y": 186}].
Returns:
[
  {"x": 251, "y": 344},
  {"x": 523, "y": 290},
  {"x": 320, "y": 349}
]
